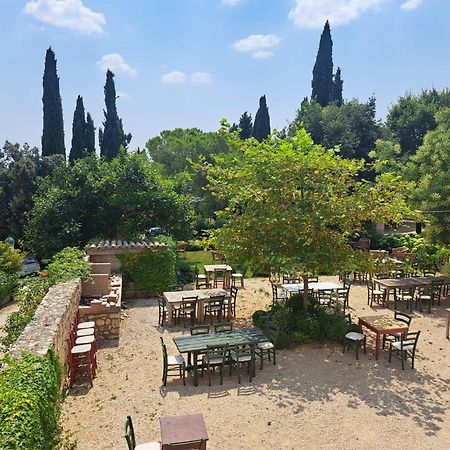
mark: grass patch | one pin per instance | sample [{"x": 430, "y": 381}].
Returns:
[{"x": 199, "y": 259}]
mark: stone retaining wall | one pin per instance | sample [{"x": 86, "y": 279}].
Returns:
[{"x": 50, "y": 326}]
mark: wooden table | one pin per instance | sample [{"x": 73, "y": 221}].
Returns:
[
  {"x": 319, "y": 286},
  {"x": 174, "y": 298},
  {"x": 178, "y": 429},
  {"x": 198, "y": 344},
  {"x": 209, "y": 269},
  {"x": 447, "y": 329},
  {"x": 381, "y": 325}
]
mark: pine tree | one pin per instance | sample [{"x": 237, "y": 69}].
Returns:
[
  {"x": 89, "y": 135},
  {"x": 53, "y": 126},
  {"x": 112, "y": 135},
  {"x": 78, "y": 131},
  {"x": 233, "y": 128},
  {"x": 322, "y": 82},
  {"x": 245, "y": 124},
  {"x": 261, "y": 127},
  {"x": 338, "y": 87}
]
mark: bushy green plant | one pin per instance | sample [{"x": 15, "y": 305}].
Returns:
[
  {"x": 29, "y": 410},
  {"x": 153, "y": 271},
  {"x": 186, "y": 272},
  {"x": 68, "y": 264},
  {"x": 8, "y": 283},
  {"x": 10, "y": 259}
]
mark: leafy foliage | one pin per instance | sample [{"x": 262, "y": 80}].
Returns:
[
  {"x": 8, "y": 284},
  {"x": 53, "y": 129},
  {"x": 292, "y": 205},
  {"x": 29, "y": 410},
  {"x": 68, "y": 264},
  {"x": 10, "y": 258},
  {"x": 94, "y": 197},
  {"x": 78, "y": 131},
  {"x": 153, "y": 271},
  {"x": 261, "y": 127},
  {"x": 246, "y": 126}
]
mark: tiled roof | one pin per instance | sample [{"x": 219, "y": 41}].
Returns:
[{"x": 122, "y": 246}]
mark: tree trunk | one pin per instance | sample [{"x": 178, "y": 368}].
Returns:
[{"x": 305, "y": 293}]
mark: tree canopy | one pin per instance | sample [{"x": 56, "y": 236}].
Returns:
[
  {"x": 78, "y": 131},
  {"x": 261, "y": 126},
  {"x": 53, "y": 125},
  {"x": 246, "y": 126},
  {"x": 293, "y": 204}
]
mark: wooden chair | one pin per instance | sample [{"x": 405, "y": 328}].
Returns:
[
  {"x": 82, "y": 357},
  {"x": 237, "y": 276},
  {"x": 214, "y": 307},
  {"x": 404, "y": 348},
  {"x": 243, "y": 355},
  {"x": 199, "y": 329},
  {"x": 202, "y": 282},
  {"x": 232, "y": 301},
  {"x": 276, "y": 297},
  {"x": 131, "y": 440},
  {"x": 266, "y": 350},
  {"x": 374, "y": 294},
  {"x": 172, "y": 363},
  {"x": 219, "y": 278},
  {"x": 405, "y": 296},
  {"x": 354, "y": 338},
  {"x": 162, "y": 311},
  {"x": 424, "y": 294},
  {"x": 215, "y": 356},
  {"x": 217, "y": 256},
  {"x": 401, "y": 317},
  {"x": 188, "y": 309}
]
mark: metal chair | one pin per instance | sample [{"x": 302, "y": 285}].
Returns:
[
  {"x": 215, "y": 356},
  {"x": 354, "y": 338},
  {"x": 243, "y": 354},
  {"x": 266, "y": 349},
  {"x": 276, "y": 297},
  {"x": 131, "y": 440},
  {"x": 172, "y": 363},
  {"x": 405, "y": 348}
]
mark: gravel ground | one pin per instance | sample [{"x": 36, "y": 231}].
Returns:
[{"x": 315, "y": 397}]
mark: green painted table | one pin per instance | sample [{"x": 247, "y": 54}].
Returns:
[{"x": 197, "y": 345}]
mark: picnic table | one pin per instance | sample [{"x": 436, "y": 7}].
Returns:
[
  {"x": 381, "y": 325},
  {"x": 210, "y": 268},
  {"x": 315, "y": 286},
  {"x": 179, "y": 429},
  {"x": 198, "y": 344},
  {"x": 174, "y": 299}
]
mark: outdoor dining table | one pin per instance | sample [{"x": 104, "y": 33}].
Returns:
[
  {"x": 316, "y": 286},
  {"x": 179, "y": 429},
  {"x": 381, "y": 325},
  {"x": 174, "y": 299},
  {"x": 198, "y": 344},
  {"x": 210, "y": 268}
]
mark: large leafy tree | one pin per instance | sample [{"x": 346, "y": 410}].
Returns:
[
  {"x": 292, "y": 205},
  {"x": 94, "y": 197},
  {"x": 53, "y": 126},
  {"x": 430, "y": 167},
  {"x": 322, "y": 81},
  {"x": 413, "y": 116},
  {"x": 261, "y": 126},
  {"x": 78, "y": 131},
  {"x": 353, "y": 126},
  {"x": 112, "y": 136},
  {"x": 246, "y": 126},
  {"x": 20, "y": 170}
]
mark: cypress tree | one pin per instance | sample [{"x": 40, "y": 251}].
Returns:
[
  {"x": 338, "y": 87},
  {"x": 53, "y": 125},
  {"x": 245, "y": 124},
  {"x": 322, "y": 82},
  {"x": 89, "y": 135},
  {"x": 261, "y": 127},
  {"x": 112, "y": 135},
  {"x": 233, "y": 128},
  {"x": 78, "y": 131}
]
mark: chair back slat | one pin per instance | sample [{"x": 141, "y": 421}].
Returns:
[
  {"x": 223, "y": 327},
  {"x": 199, "y": 329}
]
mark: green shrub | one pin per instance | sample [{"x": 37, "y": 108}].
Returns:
[
  {"x": 185, "y": 272},
  {"x": 8, "y": 284},
  {"x": 29, "y": 407},
  {"x": 10, "y": 259},
  {"x": 153, "y": 271},
  {"x": 68, "y": 264}
]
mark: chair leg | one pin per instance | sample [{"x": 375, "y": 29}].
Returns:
[
  {"x": 403, "y": 359},
  {"x": 357, "y": 350}
]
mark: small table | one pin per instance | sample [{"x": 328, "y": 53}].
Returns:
[
  {"x": 210, "y": 268},
  {"x": 319, "y": 286},
  {"x": 447, "y": 332},
  {"x": 198, "y": 344},
  {"x": 178, "y": 429},
  {"x": 381, "y": 325},
  {"x": 174, "y": 298}
]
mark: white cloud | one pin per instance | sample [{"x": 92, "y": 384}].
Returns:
[
  {"x": 67, "y": 14},
  {"x": 232, "y": 2},
  {"x": 411, "y": 4},
  {"x": 314, "y": 13},
  {"x": 115, "y": 63},
  {"x": 174, "y": 77},
  {"x": 201, "y": 78},
  {"x": 258, "y": 45},
  {"x": 122, "y": 94}
]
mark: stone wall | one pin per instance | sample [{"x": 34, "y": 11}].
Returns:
[
  {"x": 50, "y": 326},
  {"x": 106, "y": 318}
]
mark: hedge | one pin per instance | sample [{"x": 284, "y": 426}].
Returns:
[{"x": 29, "y": 407}]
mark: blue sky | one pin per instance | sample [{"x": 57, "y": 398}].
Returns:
[{"x": 189, "y": 63}]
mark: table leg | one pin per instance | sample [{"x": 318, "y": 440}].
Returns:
[
  {"x": 227, "y": 283},
  {"x": 169, "y": 314},
  {"x": 195, "y": 356},
  {"x": 377, "y": 346},
  {"x": 200, "y": 311}
]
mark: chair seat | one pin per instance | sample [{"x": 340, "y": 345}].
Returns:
[
  {"x": 213, "y": 308},
  {"x": 377, "y": 292},
  {"x": 265, "y": 345},
  {"x": 78, "y": 349},
  {"x": 237, "y": 275},
  {"x": 424, "y": 297},
  {"x": 201, "y": 277},
  {"x": 187, "y": 310},
  {"x": 404, "y": 297},
  {"x": 148, "y": 446},
  {"x": 85, "y": 332},
  {"x": 243, "y": 357},
  {"x": 398, "y": 346},
  {"x": 82, "y": 325},
  {"x": 353, "y": 336},
  {"x": 85, "y": 340},
  {"x": 175, "y": 360}
]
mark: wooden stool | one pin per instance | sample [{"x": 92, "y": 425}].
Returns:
[{"x": 81, "y": 358}]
